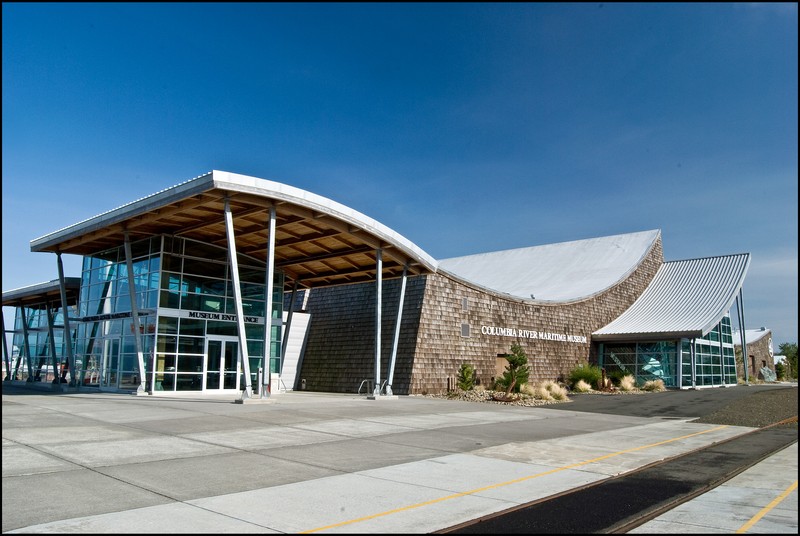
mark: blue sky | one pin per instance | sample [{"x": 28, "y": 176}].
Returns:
[{"x": 464, "y": 127}]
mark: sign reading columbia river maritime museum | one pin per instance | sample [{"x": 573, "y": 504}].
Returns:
[{"x": 532, "y": 334}]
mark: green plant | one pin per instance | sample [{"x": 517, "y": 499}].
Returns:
[
  {"x": 466, "y": 377},
  {"x": 780, "y": 371},
  {"x": 591, "y": 374},
  {"x": 516, "y": 373},
  {"x": 616, "y": 376},
  {"x": 789, "y": 350}
]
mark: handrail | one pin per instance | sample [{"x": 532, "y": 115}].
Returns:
[{"x": 369, "y": 386}]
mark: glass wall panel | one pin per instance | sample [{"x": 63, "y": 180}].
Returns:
[{"x": 187, "y": 275}]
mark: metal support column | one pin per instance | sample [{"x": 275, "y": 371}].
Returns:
[
  {"x": 378, "y": 292},
  {"x": 740, "y": 312},
  {"x": 6, "y": 359},
  {"x": 397, "y": 332},
  {"x": 285, "y": 338},
  {"x": 270, "y": 284},
  {"x": 137, "y": 331},
  {"x": 26, "y": 345},
  {"x": 693, "y": 358},
  {"x": 237, "y": 293},
  {"x": 67, "y": 331},
  {"x": 51, "y": 335}
]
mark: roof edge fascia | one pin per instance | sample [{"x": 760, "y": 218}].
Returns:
[
  {"x": 185, "y": 189},
  {"x": 254, "y": 185}
]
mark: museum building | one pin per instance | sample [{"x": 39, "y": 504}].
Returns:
[{"x": 233, "y": 284}]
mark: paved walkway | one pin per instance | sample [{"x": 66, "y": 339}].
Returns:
[
  {"x": 309, "y": 462},
  {"x": 763, "y": 500}
]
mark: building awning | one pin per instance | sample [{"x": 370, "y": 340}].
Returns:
[
  {"x": 686, "y": 299},
  {"x": 36, "y": 296},
  {"x": 319, "y": 242}
]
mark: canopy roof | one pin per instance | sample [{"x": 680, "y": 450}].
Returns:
[
  {"x": 318, "y": 241},
  {"x": 686, "y": 299},
  {"x": 36, "y": 296},
  {"x": 560, "y": 272}
]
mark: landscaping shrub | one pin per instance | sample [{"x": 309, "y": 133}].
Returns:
[
  {"x": 542, "y": 393},
  {"x": 627, "y": 383},
  {"x": 516, "y": 373},
  {"x": 591, "y": 374},
  {"x": 466, "y": 377},
  {"x": 616, "y": 376},
  {"x": 581, "y": 387},
  {"x": 654, "y": 385},
  {"x": 557, "y": 392}
]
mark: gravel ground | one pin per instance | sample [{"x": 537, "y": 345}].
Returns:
[{"x": 756, "y": 410}]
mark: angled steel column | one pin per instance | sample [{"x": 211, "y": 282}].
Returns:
[
  {"x": 263, "y": 389},
  {"x": 67, "y": 331},
  {"x": 285, "y": 338},
  {"x": 379, "y": 291},
  {"x": 722, "y": 355},
  {"x": 51, "y": 334},
  {"x": 137, "y": 332},
  {"x": 693, "y": 357},
  {"x": 397, "y": 332},
  {"x": 740, "y": 312},
  {"x": 237, "y": 293},
  {"x": 27, "y": 345},
  {"x": 6, "y": 360}
]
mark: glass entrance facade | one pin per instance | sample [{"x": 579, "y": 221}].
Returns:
[
  {"x": 38, "y": 347},
  {"x": 185, "y": 299},
  {"x": 671, "y": 361}
]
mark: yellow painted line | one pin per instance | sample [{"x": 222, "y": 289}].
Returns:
[
  {"x": 509, "y": 482},
  {"x": 747, "y": 526}
]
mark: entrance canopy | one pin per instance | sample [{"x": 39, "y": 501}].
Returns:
[
  {"x": 318, "y": 242},
  {"x": 37, "y": 296}
]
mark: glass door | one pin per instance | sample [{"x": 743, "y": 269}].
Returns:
[{"x": 222, "y": 364}]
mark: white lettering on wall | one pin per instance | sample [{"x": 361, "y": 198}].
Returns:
[{"x": 499, "y": 331}]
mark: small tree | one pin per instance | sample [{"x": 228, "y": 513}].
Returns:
[
  {"x": 780, "y": 371},
  {"x": 517, "y": 370},
  {"x": 466, "y": 377},
  {"x": 789, "y": 350}
]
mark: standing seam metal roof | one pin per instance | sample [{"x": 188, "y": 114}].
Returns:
[
  {"x": 685, "y": 299},
  {"x": 563, "y": 272}
]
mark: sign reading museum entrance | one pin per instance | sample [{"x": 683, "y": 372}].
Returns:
[{"x": 532, "y": 334}]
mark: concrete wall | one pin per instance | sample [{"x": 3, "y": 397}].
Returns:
[{"x": 340, "y": 352}]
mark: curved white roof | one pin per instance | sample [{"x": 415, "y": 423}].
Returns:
[
  {"x": 686, "y": 299},
  {"x": 560, "y": 272},
  {"x": 319, "y": 242}
]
